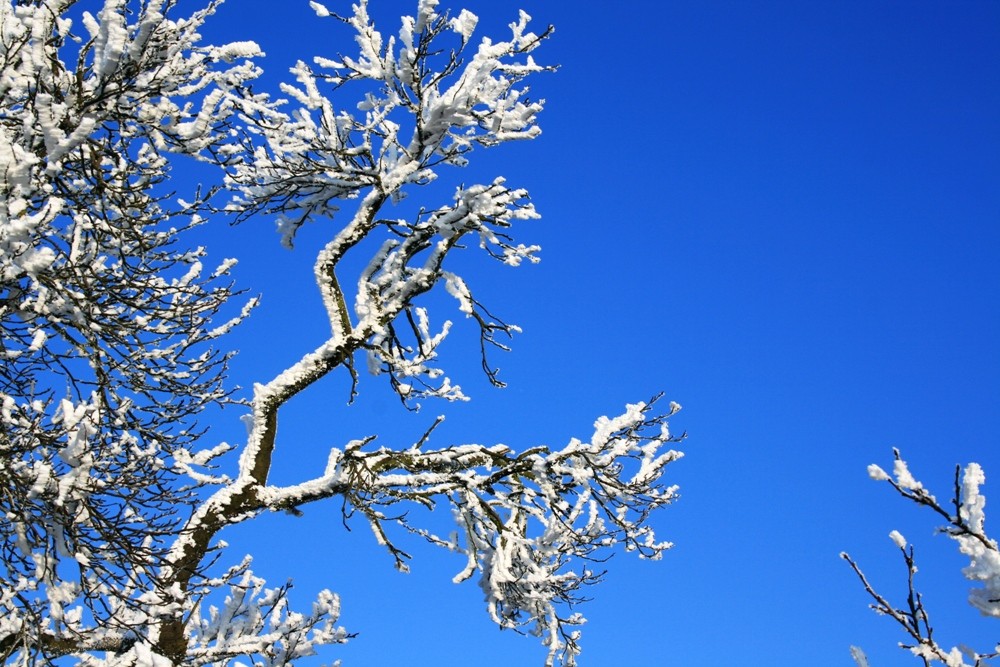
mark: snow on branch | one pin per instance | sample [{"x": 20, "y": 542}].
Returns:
[
  {"x": 255, "y": 621},
  {"x": 965, "y": 523},
  {"x": 106, "y": 319},
  {"x": 412, "y": 263},
  {"x": 532, "y": 525},
  {"x": 113, "y": 496},
  {"x": 420, "y": 109}
]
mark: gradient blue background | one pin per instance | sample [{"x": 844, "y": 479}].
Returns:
[{"x": 785, "y": 215}]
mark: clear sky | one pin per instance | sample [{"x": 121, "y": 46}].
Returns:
[{"x": 786, "y": 216}]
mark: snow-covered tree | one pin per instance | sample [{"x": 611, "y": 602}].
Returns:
[
  {"x": 114, "y": 494},
  {"x": 964, "y": 522}
]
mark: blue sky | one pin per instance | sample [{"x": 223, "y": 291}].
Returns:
[{"x": 786, "y": 216}]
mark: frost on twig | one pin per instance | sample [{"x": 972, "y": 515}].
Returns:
[{"x": 965, "y": 523}]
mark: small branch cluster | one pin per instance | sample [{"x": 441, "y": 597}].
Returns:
[
  {"x": 255, "y": 622},
  {"x": 965, "y": 523}
]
